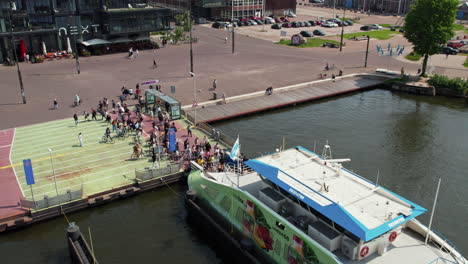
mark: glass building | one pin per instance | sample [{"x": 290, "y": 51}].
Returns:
[{"x": 51, "y": 25}]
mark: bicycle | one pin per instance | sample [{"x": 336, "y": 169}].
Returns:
[
  {"x": 107, "y": 139},
  {"x": 137, "y": 155}
]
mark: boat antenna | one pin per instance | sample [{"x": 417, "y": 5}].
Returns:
[
  {"x": 326, "y": 153},
  {"x": 377, "y": 181},
  {"x": 315, "y": 143},
  {"x": 432, "y": 213}
]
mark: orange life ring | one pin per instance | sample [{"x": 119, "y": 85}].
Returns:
[
  {"x": 364, "y": 251},
  {"x": 392, "y": 236}
]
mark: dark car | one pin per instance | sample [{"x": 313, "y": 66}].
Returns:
[
  {"x": 348, "y": 23},
  {"x": 276, "y": 26},
  {"x": 246, "y": 23},
  {"x": 318, "y": 32},
  {"x": 306, "y": 34},
  {"x": 340, "y": 23},
  {"x": 218, "y": 24},
  {"x": 259, "y": 22},
  {"x": 306, "y": 24},
  {"x": 312, "y": 23},
  {"x": 449, "y": 51},
  {"x": 277, "y": 20},
  {"x": 365, "y": 28},
  {"x": 295, "y": 24},
  {"x": 287, "y": 25}
]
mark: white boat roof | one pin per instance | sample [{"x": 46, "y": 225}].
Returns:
[{"x": 360, "y": 206}]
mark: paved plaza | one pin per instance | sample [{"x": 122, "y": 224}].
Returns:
[{"x": 256, "y": 64}]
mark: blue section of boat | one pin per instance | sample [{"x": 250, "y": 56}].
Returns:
[{"x": 334, "y": 211}]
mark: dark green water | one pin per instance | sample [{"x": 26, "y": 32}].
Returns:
[{"x": 412, "y": 141}]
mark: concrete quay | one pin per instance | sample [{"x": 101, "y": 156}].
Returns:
[{"x": 236, "y": 106}]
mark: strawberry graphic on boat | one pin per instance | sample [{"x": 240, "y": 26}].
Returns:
[{"x": 255, "y": 226}]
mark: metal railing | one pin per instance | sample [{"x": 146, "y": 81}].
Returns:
[
  {"x": 49, "y": 201},
  {"x": 216, "y": 134},
  {"x": 442, "y": 260},
  {"x": 151, "y": 173}
]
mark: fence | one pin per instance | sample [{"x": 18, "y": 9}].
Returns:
[
  {"x": 216, "y": 134},
  {"x": 151, "y": 173},
  {"x": 49, "y": 201}
]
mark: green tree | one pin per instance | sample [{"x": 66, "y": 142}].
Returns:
[
  {"x": 428, "y": 25},
  {"x": 185, "y": 20}
]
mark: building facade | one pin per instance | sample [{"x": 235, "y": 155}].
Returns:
[
  {"x": 54, "y": 25},
  {"x": 228, "y": 9},
  {"x": 381, "y": 6}
]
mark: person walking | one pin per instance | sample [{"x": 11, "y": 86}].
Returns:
[
  {"x": 215, "y": 83},
  {"x": 154, "y": 64},
  {"x": 333, "y": 77},
  {"x": 55, "y": 104},
  {"x": 75, "y": 117},
  {"x": 137, "y": 51},
  {"x": 80, "y": 138},
  {"x": 224, "y": 98},
  {"x": 93, "y": 114},
  {"x": 189, "y": 131}
]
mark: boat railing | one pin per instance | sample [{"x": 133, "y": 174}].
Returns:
[
  {"x": 438, "y": 240},
  {"x": 442, "y": 260}
]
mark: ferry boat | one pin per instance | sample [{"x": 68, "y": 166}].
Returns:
[{"x": 295, "y": 206}]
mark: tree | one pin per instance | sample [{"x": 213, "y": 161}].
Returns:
[
  {"x": 428, "y": 25},
  {"x": 184, "y": 20}
]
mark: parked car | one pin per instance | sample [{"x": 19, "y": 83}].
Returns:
[
  {"x": 456, "y": 44},
  {"x": 348, "y": 23},
  {"x": 312, "y": 23},
  {"x": 258, "y": 21},
  {"x": 449, "y": 50},
  {"x": 253, "y": 23},
  {"x": 366, "y": 28},
  {"x": 318, "y": 32},
  {"x": 318, "y": 22},
  {"x": 287, "y": 25},
  {"x": 329, "y": 24},
  {"x": 276, "y": 26},
  {"x": 335, "y": 20},
  {"x": 247, "y": 23},
  {"x": 375, "y": 26},
  {"x": 277, "y": 20},
  {"x": 218, "y": 24},
  {"x": 306, "y": 24},
  {"x": 295, "y": 24},
  {"x": 269, "y": 19},
  {"x": 285, "y": 19},
  {"x": 306, "y": 34}
]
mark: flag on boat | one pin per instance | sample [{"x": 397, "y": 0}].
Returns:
[{"x": 235, "y": 150}]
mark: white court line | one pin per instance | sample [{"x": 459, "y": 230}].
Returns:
[
  {"x": 13, "y": 168},
  {"x": 42, "y": 172},
  {"x": 56, "y": 150},
  {"x": 67, "y": 130},
  {"x": 49, "y": 142},
  {"x": 68, "y": 187},
  {"x": 61, "y": 161},
  {"x": 75, "y": 171},
  {"x": 5, "y": 146}
]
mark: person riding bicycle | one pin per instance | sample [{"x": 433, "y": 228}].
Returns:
[
  {"x": 76, "y": 100},
  {"x": 137, "y": 150},
  {"x": 108, "y": 132}
]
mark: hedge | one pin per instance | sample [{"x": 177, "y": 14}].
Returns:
[{"x": 457, "y": 84}]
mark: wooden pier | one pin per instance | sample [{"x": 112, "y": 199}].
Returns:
[{"x": 217, "y": 110}]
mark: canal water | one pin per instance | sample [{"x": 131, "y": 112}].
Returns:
[{"x": 408, "y": 141}]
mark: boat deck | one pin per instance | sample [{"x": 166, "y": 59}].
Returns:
[{"x": 407, "y": 248}]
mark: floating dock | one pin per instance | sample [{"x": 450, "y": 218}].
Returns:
[
  {"x": 247, "y": 104},
  {"x": 70, "y": 177}
]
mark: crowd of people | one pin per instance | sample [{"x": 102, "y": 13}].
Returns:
[{"x": 157, "y": 127}]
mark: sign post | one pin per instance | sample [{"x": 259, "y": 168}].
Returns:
[{"x": 28, "y": 171}]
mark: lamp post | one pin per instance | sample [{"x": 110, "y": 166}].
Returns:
[
  {"x": 195, "y": 104},
  {"x": 20, "y": 78},
  {"x": 367, "y": 51},
  {"x": 191, "y": 50},
  {"x": 53, "y": 171},
  {"x": 342, "y": 28}
]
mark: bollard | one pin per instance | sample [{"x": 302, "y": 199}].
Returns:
[{"x": 73, "y": 231}]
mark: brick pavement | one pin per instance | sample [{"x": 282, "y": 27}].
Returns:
[{"x": 255, "y": 65}]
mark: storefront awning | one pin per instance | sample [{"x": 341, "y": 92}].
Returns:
[
  {"x": 120, "y": 40},
  {"x": 141, "y": 38},
  {"x": 93, "y": 42}
]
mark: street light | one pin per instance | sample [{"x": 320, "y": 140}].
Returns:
[
  {"x": 53, "y": 171},
  {"x": 20, "y": 78},
  {"x": 194, "y": 97}
]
